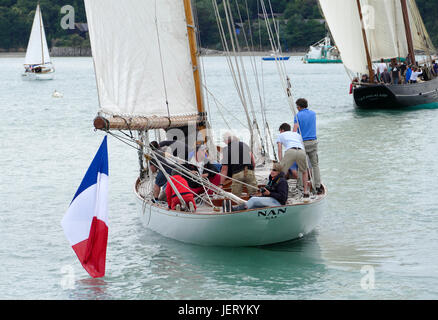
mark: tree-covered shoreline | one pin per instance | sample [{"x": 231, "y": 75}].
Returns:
[{"x": 300, "y": 21}]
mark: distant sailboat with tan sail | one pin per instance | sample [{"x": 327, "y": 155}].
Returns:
[{"x": 37, "y": 63}]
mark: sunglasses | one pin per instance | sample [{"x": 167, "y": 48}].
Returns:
[{"x": 274, "y": 170}]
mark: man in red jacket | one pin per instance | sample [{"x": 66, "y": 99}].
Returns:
[{"x": 184, "y": 190}]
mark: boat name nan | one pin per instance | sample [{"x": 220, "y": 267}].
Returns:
[{"x": 271, "y": 213}]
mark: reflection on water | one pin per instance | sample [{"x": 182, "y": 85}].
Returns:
[
  {"x": 184, "y": 271},
  {"x": 90, "y": 289}
]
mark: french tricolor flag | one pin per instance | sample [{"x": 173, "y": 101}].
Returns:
[{"x": 85, "y": 223}]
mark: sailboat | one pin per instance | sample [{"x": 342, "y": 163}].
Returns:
[
  {"x": 148, "y": 75},
  {"x": 374, "y": 31},
  {"x": 37, "y": 63},
  {"x": 274, "y": 57},
  {"x": 323, "y": 52}
]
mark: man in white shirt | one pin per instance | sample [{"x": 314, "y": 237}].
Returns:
[
  {"x": 414, "y": 75},
  {"x": 294, "y": 152},
  {"x": 381, "y": 68}
]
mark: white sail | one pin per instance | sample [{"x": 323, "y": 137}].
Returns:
[
  {"x": 142, "y": 57},
  {"x": 342, "y": 17},
  {"x": 37, "y": 50},
  {"x": 384, "y": 28},
  {"x": 386, "y": 31}
]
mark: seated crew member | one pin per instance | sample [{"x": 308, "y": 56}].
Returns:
[
  {"x": 238, "y": 163},
  {"x": 183, "y": 188},
  {"x": 160, "y": 179},
  {"x": 199, "y": 164},
  {"x": 274, "y": 194},
  {"x": 178, "y": 148}
]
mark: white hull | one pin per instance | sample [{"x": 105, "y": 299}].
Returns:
[
  {"x": 246, "y": 228},
  {"x": 38, "y": 76}
]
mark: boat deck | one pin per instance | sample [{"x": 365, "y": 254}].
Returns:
[{"x": 213, "y": 204}]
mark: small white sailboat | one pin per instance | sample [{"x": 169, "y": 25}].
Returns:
[
  {"x": 323, "y": 52},
  {"x": 37, "y": 63},
  {"x": 274, "y": 57},
  {"x": 149, "y": 79}
]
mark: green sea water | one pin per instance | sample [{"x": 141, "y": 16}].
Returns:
[{"x": 377, "y": 238}]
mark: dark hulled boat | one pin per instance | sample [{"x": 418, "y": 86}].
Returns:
[
  {"x": 397, "y": 96},
  {"x": 366, "y": 31}
]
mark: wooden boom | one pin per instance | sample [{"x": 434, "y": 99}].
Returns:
[{"x": 146, "y": 123}]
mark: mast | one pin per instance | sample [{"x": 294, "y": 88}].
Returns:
[
  {"x": 41, "y": 32},
  {"x": 191, "y": 32},
  {"x": 408, "y": 31},
  {"x": 364, "y": 34}
]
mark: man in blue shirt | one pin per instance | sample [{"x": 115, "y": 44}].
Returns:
[
  {"x": 435, "y": 68},
  {"x": 305, "y": 123},
  {"x": 408, "y": 74}
]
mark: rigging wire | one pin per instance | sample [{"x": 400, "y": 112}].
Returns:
[
  {"x": 176, "y": 163},
  {"x": 201, "y": 61},
  {"x": 235, "y": 43},
  {"x": 123, "y": 139},
  {"x": 254, "y": 69},
  {"x": 238, "y": 71},
  {"x": 228, "y": 111},
  {"x": 161, "y": 61},
  {"x": 234, "y": 70},
  {"x": 281, "y": 70}
]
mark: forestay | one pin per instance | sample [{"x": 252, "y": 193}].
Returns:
[
  {"x": 142, "y": 57},
  {"x": 37, "y": 50}
]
